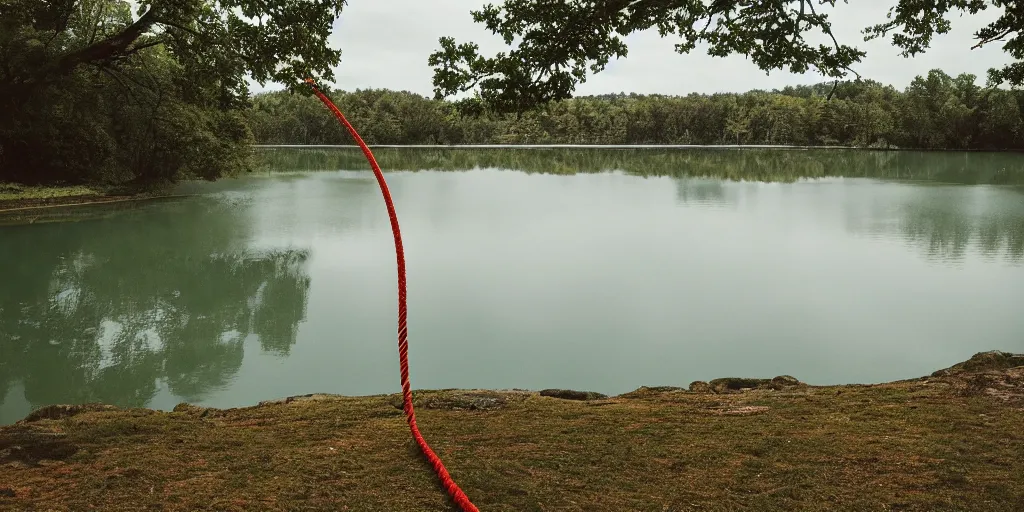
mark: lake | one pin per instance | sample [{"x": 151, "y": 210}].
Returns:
[{"x": 600, "y": 270}]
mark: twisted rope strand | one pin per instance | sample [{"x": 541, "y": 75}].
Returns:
[{"x": 449, "y": 484}]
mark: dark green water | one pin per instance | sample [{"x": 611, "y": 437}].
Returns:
[{"x": 598, "y": 270}]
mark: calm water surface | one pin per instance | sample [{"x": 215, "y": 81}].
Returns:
[{"x": 612, "y": 272}]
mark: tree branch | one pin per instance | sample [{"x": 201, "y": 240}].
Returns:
[
  {"x": 828, "y": 30},
  {"x": 116, "y": 78},
  {"x": 135, "y": 49},
  {"x": 180, "y": 27},
  {"x": 110, "y": 71},
  {"x": 796, "y": 25},
  {"x": 109, "y": 47},
  {"x": 994, "y": 38},
  {"x": 704, "y": 30}
]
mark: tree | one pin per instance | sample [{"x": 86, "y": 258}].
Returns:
[
  {"x": 555, "y": 43},
  {"x": 89, "y": 87},
  {"x": 1000, "y": 121},
  {"x": 217, "y": 42}
]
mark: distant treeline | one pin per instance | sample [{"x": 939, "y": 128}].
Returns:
[{"x": 933, "y": 112}]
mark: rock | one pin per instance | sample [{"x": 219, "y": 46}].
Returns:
[
  {"x": 663, "y": 389},
  {"x": 785, "y": 382},
  {"x": 56, "y": 412},
  {"x": 461, "y": 401},
  {"x": 309, "y": 397},
  {"x": 646, "y": 391},
  {"x": 734, "y": 384},
  {"x": 190, "y": 409},
  {"x": 7, "y": 492},
  {"x": 726, "y": 385},
  {"x": 569, "y": 394},
  {"x": 984, "y": 361},
  {"x": 1007, "y": 384}
]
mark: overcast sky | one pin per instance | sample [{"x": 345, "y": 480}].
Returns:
[{"x": 385, "y": 44}]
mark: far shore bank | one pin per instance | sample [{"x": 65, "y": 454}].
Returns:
[
  {"x": 947, "y": 441},
  {"x": 18, "y": 201}
]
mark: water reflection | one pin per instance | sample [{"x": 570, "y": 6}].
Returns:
[
  {"x": 737, "y": 165},
  {"x": 700, "y": 192},
  {"x": 930, "y": 218},
  {"x": 86, "y": 316},
  {"x": 1002, "y": 234},
  {"x": 947, "y": 223},
  {"x": 941, "y": 223}
]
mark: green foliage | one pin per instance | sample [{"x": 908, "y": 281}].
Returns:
[
  {"x": 554, "y": 44},
  {"x": 933, "y": 112},
  {"x": 91, "y": 91}
]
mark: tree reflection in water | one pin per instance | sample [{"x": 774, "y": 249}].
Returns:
[{"x": 87, "y": 316}]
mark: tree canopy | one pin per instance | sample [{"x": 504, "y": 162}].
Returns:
[
  {"x": 555, "y": 43},
  {"x": 147, "y": 94}
]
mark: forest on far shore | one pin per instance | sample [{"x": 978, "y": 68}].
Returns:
[{"x": 936, "y": 111}]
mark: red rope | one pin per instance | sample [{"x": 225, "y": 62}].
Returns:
[{"x": 457, "y": 495}]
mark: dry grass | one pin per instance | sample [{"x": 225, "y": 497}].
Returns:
[{"x": 953, "y": 441}]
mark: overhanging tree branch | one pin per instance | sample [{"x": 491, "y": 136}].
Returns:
[
  {"x": 180, "y": 27},
  {"x": 135, "y": 49},
  {"x": 109, "y": 47},
  {"x": 997, "y": 37}
]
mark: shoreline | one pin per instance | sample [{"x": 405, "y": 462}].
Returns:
[
  {"x": 33, "y": 203},
  {"x": 15, "y": 198},
  {"x": 951, "y": 440},
  {"x": 30, "y": 210},
  {"x": 13, "y": 206},
  {"x": 632, "y": 146}
]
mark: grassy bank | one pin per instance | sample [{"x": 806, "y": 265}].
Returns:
[
  {"x": 20, "y": 204},
  {"x": 950, "y": 441},
  {"x": 18, "y": 196}
]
